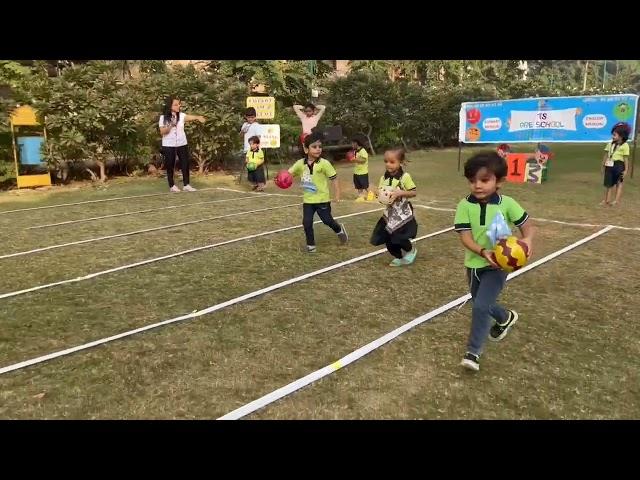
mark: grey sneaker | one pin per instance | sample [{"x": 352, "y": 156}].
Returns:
[
  {"x": 498, "y": 332},
  {"x": 471, "y": 362},
  {"x": 311, "y": 249},
  {"x": 188, "y": 188},
  {"x": 343, "y": 235},
  {"x": 174, "y": 189}
]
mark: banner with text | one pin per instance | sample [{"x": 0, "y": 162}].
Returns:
[{"x": 556, "y": 119}]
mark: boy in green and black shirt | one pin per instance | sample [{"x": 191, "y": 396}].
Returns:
[{"x": 484, "y": 209}]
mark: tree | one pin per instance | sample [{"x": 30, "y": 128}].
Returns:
[{"x": 364, "y": 101}]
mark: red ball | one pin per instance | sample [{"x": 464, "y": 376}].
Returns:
[
  {"x": 283, "y": 179},
  {"x": 351, "y": 156}
]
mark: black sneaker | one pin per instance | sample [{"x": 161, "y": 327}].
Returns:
[
  {"x": 498, "y": 332},
  {"x": 343, "y": 235},
  {"x": 471, "y": 361}
]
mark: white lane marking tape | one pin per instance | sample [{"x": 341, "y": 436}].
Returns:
[
  {"x": 97, "y": 201},
  {"x": 137, "y": 212},
  {"x": 165, "y": 257},
  {"x": 258, "y": 193},
  {"x": 146, "y": 230},
  {"x": 362, "y": 351},
  {"x": 572, "y": 224},
  {"x": 213, "y": 308}
]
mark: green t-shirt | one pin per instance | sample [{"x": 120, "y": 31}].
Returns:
[
  {"x": 314, "y": 179},
  {"x": 404, "y": 181},
  {"x": 255, "y": 157},
  {"x": 361, "y": 168},
  {"x": 477, "y": 217},
  {"x": 617, "y": 154}
]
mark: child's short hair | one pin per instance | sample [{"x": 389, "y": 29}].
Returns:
[
  {"x": 250, "y": 112},
  {"x": 400, "y": 152},
  {"x": 489, "y": 160},
  {"x": 312, "y": 138},
  {"x": 360, "y": 139},
  {"x": 311, "y": 106},
  {"x": 254, "y": 139},
  {"x": 623, "y": 130}
]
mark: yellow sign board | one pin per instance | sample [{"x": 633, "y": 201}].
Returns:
[
  {"x": 24, "y": 116},
  {"x": 265, "y": 106},
  {"x": 37, "y": 180}
]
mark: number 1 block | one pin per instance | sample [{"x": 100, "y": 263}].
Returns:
[{"x": 517, "y": 166}]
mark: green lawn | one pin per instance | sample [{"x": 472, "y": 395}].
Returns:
[{"x": 570, "y": 356}]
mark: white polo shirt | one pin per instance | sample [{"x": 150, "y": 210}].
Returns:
[
  {"x": 254, "y": 129},
  {"x": 176, "y": 136}
]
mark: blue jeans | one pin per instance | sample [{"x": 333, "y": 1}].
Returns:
[{"x": 485, "y": 285}]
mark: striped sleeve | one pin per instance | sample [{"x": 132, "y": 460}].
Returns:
[
  {"x": 329, "y": 171},
  {"x": 517, "y": 215},
  {"x": 462, "y": 222}
]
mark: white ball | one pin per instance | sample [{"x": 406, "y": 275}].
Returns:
[{"x": 384, "y": 195}]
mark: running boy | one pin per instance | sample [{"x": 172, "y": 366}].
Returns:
[{"x": 475, "y": 217}]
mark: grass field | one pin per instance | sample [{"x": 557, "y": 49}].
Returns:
[{"x": 572, "y": 355}]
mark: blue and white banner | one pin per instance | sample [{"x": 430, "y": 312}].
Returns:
[{"x": 552, "y": 119}]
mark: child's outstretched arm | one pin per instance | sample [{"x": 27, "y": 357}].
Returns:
[{"x": 191, "y": 118}]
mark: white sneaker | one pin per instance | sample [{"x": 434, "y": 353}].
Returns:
[
  {"x": 174, "y": 189},
  {"x": 188, "y": 188},
  {"x": 471, "y": 362}
]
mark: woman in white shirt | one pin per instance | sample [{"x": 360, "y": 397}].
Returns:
[{"x": 174, "y": 141}]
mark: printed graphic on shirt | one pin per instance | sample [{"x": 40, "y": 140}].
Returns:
[
  {"x": 499, "y": 228},
  {"x": 307, "y": 183}
]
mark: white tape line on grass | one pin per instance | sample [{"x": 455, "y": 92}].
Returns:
[
  {"x": 571, "y": 224},
  {"x": 97, "y": 201},
  {"x": 199, "y": 313},
  {"x": 362, "y": 351},
  {"x": 137, "y": 212},
  {"x": 146, "y": 230},
  {"x": 165, "y": 257},
  {"x": 258, "y": 193}
]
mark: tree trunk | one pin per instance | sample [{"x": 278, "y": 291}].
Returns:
[
  {"x": 200, "y": 162},
  {"x": 94, "y": 177},
  {"x": 103, "y": 175},
  {"x": 369, "y": 139},
  {"x": 584, "y": 78}
]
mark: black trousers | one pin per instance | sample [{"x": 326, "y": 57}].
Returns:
[
  {"x": 324, "y": 212},
  {"x": 170, "y": 162},
  {"x": 395, "y": 249}
]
